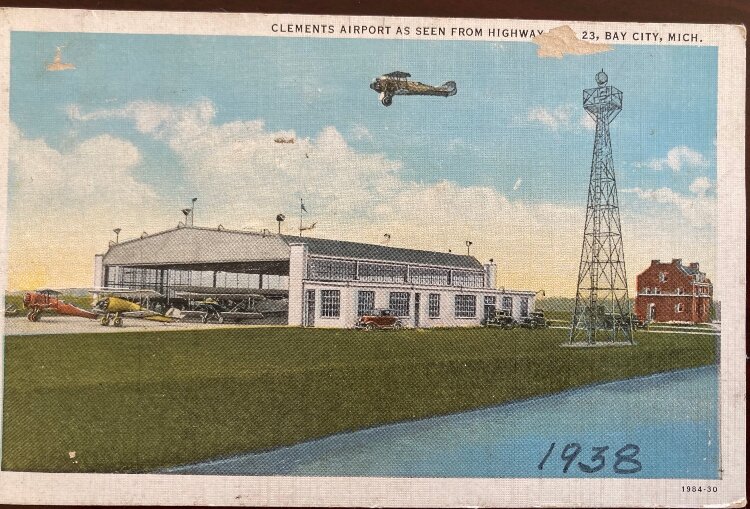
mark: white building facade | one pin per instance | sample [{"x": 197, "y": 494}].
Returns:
[{"x": 328, "y": 291}]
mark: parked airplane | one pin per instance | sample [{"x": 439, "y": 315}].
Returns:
[
  {"x": 236, "y": 306},
  {"x": 49, "y": 301},
  {"x": 116, "y": 306},
  {"x": 396, "y": 83}
]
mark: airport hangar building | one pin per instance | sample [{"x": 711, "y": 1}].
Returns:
[{"x": 328, "y": 283}]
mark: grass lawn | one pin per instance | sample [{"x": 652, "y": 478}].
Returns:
[
  {"x": 131, "y": 402},
  {"x": 669, "y": 325}
]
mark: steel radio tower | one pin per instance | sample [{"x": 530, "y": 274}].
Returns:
[{"x": 602, "y": 310}]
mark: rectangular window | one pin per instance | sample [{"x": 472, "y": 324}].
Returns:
[
  {"x": 434, "y": 307},
  {"x": 381, "y": 272},
  {"x": 331, "y": 270},
  {"x": 399, "y": 303},
  {"x": 365, "y": 302},
  {"x": 679, "y": 308},
  {"x": 466, "y": 306},
  {"x": 330, "y": 303},
  {"x": 524, "y": 306},
  {"x": 428, "y": 276},
  {"x": 467, "y": 279},
  {"x": 508, "y": 304}
]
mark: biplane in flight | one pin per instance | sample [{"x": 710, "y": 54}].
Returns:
[{"x": 397, "y": 83}]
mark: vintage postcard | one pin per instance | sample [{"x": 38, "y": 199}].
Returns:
[{"x": 290, "y": 260}]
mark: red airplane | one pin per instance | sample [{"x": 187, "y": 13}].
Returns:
[{"x": 49, "y": 301}]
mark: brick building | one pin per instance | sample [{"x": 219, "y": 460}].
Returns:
[{"x": 673, "y": 292}]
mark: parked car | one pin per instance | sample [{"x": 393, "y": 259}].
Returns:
[
  {"x": 379, "y": 319},
  {"x": 638, "y": 323},
  {"x": 610, "y": 320},
  {"x": 501, "y": 318},
  {"x": 535, "y": 320}
]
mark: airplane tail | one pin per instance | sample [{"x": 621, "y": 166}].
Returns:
[{"x": 450, "y": 87}]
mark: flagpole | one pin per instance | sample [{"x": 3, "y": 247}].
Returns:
[{"x": 300, "y": 216}]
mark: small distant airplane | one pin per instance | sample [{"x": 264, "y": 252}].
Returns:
[
  {"x": 396, "y": 83},
  {"x": 57, "y": 64},
  {"x": 49, "y": 301}
]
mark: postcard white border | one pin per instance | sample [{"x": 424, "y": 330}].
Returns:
[{"x": 109, "y": 489}]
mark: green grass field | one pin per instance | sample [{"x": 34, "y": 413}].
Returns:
[{"x": 132, "y": 402}]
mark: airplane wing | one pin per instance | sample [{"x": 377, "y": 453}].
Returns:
[
  {"x": 227, "y": 296},
  {"x": 125, "y": 292},
  {"x": 49, "y": 292},
  {"x": 398, "y": 74},
  {"x": 144, "y": 314}
]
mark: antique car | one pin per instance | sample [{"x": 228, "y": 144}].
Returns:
[
  {"x": 379, "y": 319},
  {"x": 640, "y": 324},
  {"x": 500, "y": 318},
  {"x": 534, "y": 320},
  {"x": 612, "y": 320}
]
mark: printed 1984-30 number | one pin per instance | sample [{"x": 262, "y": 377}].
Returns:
[{"x": 700, "y": 489}]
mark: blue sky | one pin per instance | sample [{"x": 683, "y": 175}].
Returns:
[
  {"x": 514, "y": 126},
  {"x": 670, "y": 101}
]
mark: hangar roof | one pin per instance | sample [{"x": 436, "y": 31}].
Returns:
[
  {"x": 192, "y": 246},
  {"x": 198, "y": 248},
  {"x": 360, "y": 251}
]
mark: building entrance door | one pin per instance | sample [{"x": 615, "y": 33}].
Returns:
[
  {"x": 309, "y": 308},
  {"x": 652, "y": 312},
  {"x": 417, "y": 298},
  {"x": 490, "y": 302}
]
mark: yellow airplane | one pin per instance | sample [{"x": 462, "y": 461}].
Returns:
[
  {"x": 113, "y": 308},
  {"x": 396, "y": 83}
]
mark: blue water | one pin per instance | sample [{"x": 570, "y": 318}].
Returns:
[{"x": 671, "y": 417}]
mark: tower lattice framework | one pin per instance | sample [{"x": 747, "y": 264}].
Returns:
[{"x": 602, "y": 309}]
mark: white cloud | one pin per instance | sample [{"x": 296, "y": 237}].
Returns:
[
  {"x": 587, "y": 123},
  {"x": 552, "y": 118},
  {"x": 63, "y": 205},
  {"x": 566, "y": 117},
  {"x": 361, "y": 132},
  {"x": 677, "y": 158},
  {"x": 700, "y": 186},
  {"x": 242, "y": 177},
  {"x": 151, "y": 117},
  {"x": 698, "y": 208}
]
